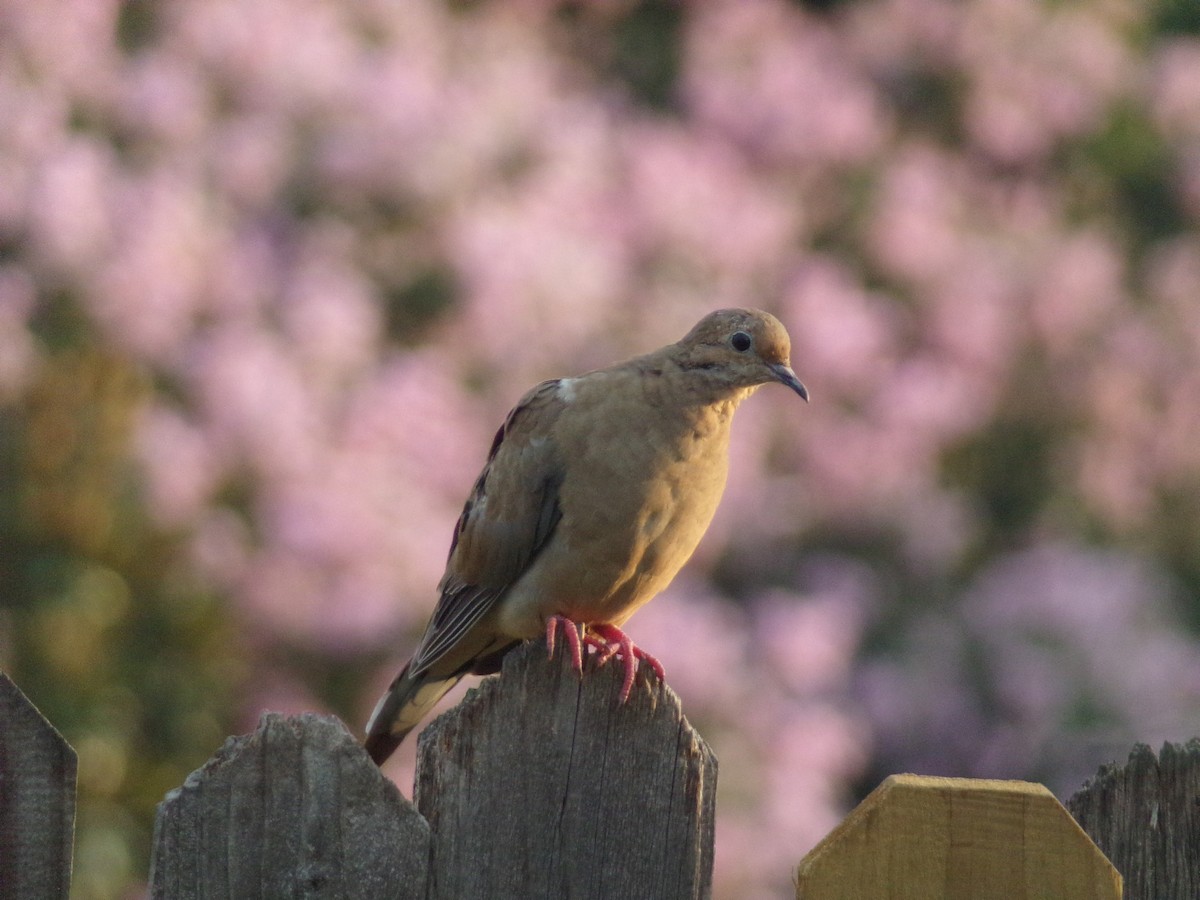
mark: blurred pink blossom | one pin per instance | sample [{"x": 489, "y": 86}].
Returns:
[
  {"x": 148, "y": 290},
  {"x": 847, "y": 335},
  {"x": 809, "y": 642},
  {"x": 70, "y": 221},
  {"x": 182, "y": 473},
  {"x": 1077, "y": 292},
  {"x": 920, "y": 220},
  {"x": 1175, "y": 86},
  {"x": 1038, "y": 76},
  {"x": 699, "y": 199},
  {"x": 779, "y": 82},
  {"x": 166, "y": 100}
]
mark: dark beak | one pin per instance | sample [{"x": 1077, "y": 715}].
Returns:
[{"x": 785, "y": 375}]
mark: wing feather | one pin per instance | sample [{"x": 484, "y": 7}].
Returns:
[{"x": 510, "y": 515}]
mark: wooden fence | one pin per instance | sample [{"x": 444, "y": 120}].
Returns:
[{"x": 537, "y": 785}]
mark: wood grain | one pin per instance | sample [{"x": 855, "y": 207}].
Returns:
[
  {"x": 1145, "y": 816},
  {"x": 37, "y": 801},
  {"x": 540, "y": 784},
  {"x": 295, "y": 809},
  {"x": 923, "y": 838}
]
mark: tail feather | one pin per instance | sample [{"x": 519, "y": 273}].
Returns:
[{"x": 400, "y": 709}]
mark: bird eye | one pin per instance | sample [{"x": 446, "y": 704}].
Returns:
[{"x": 740, "y": 341}]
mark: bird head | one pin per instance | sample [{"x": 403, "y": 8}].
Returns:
[{"x": 740, "y": 348}]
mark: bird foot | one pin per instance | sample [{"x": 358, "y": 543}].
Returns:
[
  {"x": 607, "y": 641},
  {"x": 610, "y": 641},
  {"x": 571, "y": 633}
]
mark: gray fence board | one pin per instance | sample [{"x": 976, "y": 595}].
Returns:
[
  {"x": 295, "y": 809},
  {"x": 37, "y": 801},
  {"x": 540, "y": 785},
  {"x": 1145, "y": 816}
]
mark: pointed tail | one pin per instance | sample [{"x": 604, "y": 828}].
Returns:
[{"x": 400, "y": 709}]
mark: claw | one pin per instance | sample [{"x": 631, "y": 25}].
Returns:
[
  {"x": 571, "y": 633},
  {"x": 610, "y": 641}
]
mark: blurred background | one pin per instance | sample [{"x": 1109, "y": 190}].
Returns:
[{"x": 272, "y": 271}]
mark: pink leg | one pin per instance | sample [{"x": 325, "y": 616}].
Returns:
[
  {"x": 571, "y": 632},
  {"x": 610, "y": 641}
]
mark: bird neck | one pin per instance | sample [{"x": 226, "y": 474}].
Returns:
[
  {"x": 699, "y": 386},
  {"x": 712, "y": 388},
  {"x": 694, "y": 399}
]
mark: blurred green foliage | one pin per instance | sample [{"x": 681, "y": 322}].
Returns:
[{"x": 136, "y": 665}]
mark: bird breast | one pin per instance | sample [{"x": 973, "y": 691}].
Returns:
[{"x": 640, "y": 492}]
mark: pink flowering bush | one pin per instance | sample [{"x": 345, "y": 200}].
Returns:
[{"x": 271, "y": 274}]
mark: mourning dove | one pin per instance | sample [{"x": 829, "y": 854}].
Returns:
[{"x": 595, "y": 493}]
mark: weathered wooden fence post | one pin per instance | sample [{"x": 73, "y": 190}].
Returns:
[
  {"x": 1145, "y": 816},
  {"x": 37, "y": 801},
  {"x": 540, "y": 785},
  {"x": 295, "y": 809}
]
